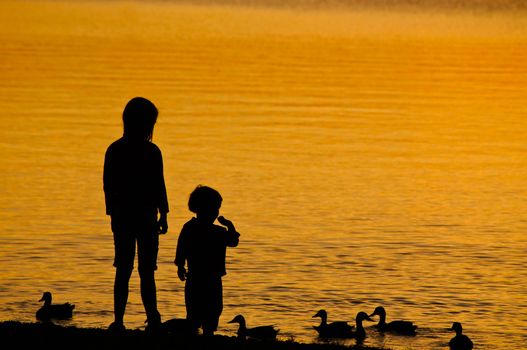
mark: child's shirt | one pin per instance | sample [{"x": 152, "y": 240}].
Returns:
[
  {"x": 204, "y": 248},
  {"x": 133, "y": 178}
]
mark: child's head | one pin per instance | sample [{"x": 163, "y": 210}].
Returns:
[
  {"x": 205, "y": 202},
  {"x": 139, "y": 118}
]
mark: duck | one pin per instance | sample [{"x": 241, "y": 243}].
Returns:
[
  {"x": 54, "y": 311},
  {"x": 259, "y": 332},
  {"x": 360, "y": 333},
  {"x": 335, "y": 329},
  {"x": 460, "y": 341},
  {"x": 400, "y": 327},
  {"x": 179, "y": 326}
]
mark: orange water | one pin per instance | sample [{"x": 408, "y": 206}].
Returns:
[{"x": 368, "y": 157}]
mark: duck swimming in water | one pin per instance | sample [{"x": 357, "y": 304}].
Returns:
[
  {"x": 360, "y": 333},
  {"x": 54, "y": 311},
  {"x": 335, "y": 329},
  {"x": 401, "y": 327},
  {"x": 260, "y": 332},
  {"x": 460, "y": 341}
]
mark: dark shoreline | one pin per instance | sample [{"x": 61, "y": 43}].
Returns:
[{"x": 20, "y": 335}]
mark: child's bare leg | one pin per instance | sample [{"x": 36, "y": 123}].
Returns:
[{"x": 120, "y": 293}]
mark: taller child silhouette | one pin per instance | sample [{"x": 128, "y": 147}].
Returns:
[{"x": 136, "y": 201}]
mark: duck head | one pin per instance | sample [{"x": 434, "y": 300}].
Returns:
[
  {"x": 238, "y": 319},
  {"x": 362, "y": 316},
  {"x": 379, "y": 311},
  {"x": 46, "y": 298},
  {"x": 322, "y": 314},
  {"x": 456, "y": 326}
]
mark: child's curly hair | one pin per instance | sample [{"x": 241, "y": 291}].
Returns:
[{"x": 204, "y": 198}]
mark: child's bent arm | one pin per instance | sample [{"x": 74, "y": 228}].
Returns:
[
  {"x": 227, "y": 223},
  {"x": 233, "y": 238}
]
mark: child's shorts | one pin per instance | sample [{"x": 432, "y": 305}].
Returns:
[{"x": 128, "y": 233}]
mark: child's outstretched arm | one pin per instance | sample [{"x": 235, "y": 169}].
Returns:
[{"x": 233, "y": 237}]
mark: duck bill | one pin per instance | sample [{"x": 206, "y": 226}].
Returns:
[
  {"x": 369, "y": 319},
  {"x": 41, "y": 299},
  {"x": 231, "y": 321},
  {"x": 373, "y": 314}
]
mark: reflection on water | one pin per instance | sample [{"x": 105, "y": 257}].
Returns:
[{"x": 368, "y": 158}]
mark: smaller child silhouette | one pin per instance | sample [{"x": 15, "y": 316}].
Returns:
[{"x": 202, "y": 245}]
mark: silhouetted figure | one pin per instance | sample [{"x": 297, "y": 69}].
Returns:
[
  {"x": 51, "y": 311},
  {"x": 400, "y": 327},
  {"x": 202, "y": 245},
  {"x": 460, "y": 341},
  {"x": 335, "y": 329},
  {"x": 259, "y": 332},
  {"x": 136, "y": 200}
]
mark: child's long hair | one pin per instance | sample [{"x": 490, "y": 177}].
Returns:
[{"x": 139, "y": 118}]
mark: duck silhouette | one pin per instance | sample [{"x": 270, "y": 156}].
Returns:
[
  {"x": 360, "y": 333},
  {"x": 54, "y": 311},
  {"x": 180, "y": 326},
  {"x": 460, "y": 341},
  {"x": 401, "y": 327},
  {"x": 335, "y": 329},
  {"x": 259, "y": 332}
]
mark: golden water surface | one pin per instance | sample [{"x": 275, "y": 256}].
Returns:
[{"x": 367, "y": 156}]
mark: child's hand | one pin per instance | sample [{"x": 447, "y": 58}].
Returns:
[
  {"x": 182, "y": 273},
  {"x": 162, "y": 224},
  {"x": 226, "y": 222}
]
